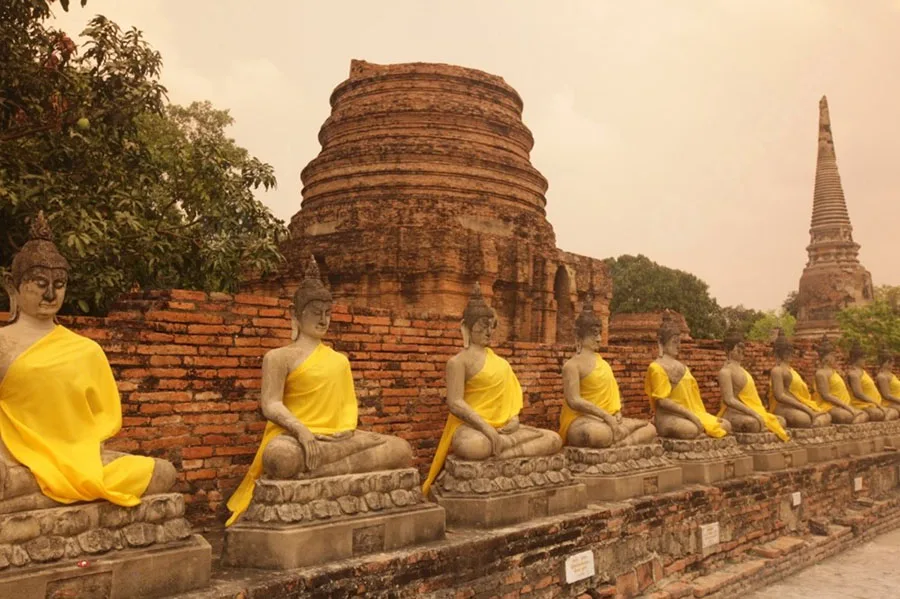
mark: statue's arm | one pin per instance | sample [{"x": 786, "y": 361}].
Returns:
[
  {"x": 823, "y": 389},
  {"x": 784, "y": 396},
  {"x": 572, "y": 396},
  {"x": 884, "y": 387},
  {"x": 856, "y": 389},
  {"x": 456, "y": 402},
  {"x": 726, "y": 388},
  {"x": 271, "y": 398}
]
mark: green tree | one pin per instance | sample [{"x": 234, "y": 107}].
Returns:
[
  {"x": 763, "y": 329},
  {"x": 740, "y": 318},
  {"x": 138, "y": 193},
  {"x": 641, "y": 285},
  {"x": 874, "y": 326},
  {"x": 790, "y": 304}
]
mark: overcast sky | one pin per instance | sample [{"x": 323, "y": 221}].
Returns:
[{"x": 683, "y": 130}]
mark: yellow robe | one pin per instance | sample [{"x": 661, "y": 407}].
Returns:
[
  {"x": 494, "y": 393},
  {"x": 58, "y": 404},
  {"x": 320, "y": 394},
  {"x": 895, "y": 386},
  {"x": 686, "y": 394},
  {"x": 869, "y": 389},
  {"x": 600, "y": 388},
  {"x": 836, "y": 387},
  {"x": 749, "y": 396},
  {"x": 799, "y": 389}
]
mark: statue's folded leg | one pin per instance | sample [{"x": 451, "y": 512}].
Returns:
[
  {"x": 164, "y": 473},
  {"x": 674, "y": 426},
  {"x": 638, "y": 432},
  {"x": 15, "y": 479},
  {"x": 742, "y": 423},
  {"x": 875, "y": 413},
  {"x": 529, "y": 441},
  {"x": 795, "y": 418},
  {"x": 284, "y": 458},
  {"x": 890, "y": 413},
  {"x": 587, "y": 431}
]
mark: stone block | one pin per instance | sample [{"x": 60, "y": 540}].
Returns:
[
  {"x": 619, "y": 473},
  {"x": 286, "y": 546},
  {"x": 504, "y": 509},
  {"x": 465, "y": 478},
  {"x": 131, "y": 574},
  {"x": 625, "y": 486},
  {"x": 770, "y": 453},
  {"x": 708, "y": 460}
]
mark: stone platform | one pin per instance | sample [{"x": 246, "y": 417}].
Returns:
[
  {"x": 708, "y": 460},
  {"x": 619, "y": 473},
  {"x": 822, "y": 443},
  {"x": 770, "y": 453},
  {"x": 862, "y": 439},
  {"x": 100, "y": 550},
  {"x": 502, "y": 492},
  {"x": 296, "y": 523},
  {"x": 890, "y": 432}
]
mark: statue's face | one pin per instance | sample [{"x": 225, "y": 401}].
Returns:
[
  {"x": 737, "y": 352},
  {"x": 315, "y": 318},
  {"x": 42, "y": 291},
  {"x": 483, "y": 330},
  {"x": 593, "y": 340},
  {"x": 860, "y": 362},
  {"x": 888, "y": 364},
  {"x": 672, "y": 346},
  {"x": 828, "y": 359},
  {"x": 784, "y": 354}
]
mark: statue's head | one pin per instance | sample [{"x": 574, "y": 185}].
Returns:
[
  {"x": 734, "y": 345},
  {"x": 825, "y": 350},
  {"x": 669, "y": 335},
  {"x": 479, "y": 320},
  {"x": 311, "y": 309},
  {"x": 782, "y": 348},
  {"x": 37, "y": 280},
  {"x": 857, "y": 354},
  {"x": 588, "y": 328},
  {"x": 885, "y": 359}
]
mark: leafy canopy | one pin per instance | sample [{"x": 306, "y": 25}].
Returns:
[
  {"x": 138, "y": 193},
  {"x": 874, "y": 326}
]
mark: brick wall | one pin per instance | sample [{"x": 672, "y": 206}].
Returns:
[{"x": 187, "y": 364}]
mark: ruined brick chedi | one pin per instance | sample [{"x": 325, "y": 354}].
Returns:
[
  {"x": 833, "y": 278},
  {"x": 424, "y": 186}
]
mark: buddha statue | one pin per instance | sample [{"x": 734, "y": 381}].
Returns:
[
  {"x": 789, "y": 395},
  {"x": 59, "y": 399},
  {"x": 484, "y": 399},
  {"x": 888, "y": 383},
  {"x": 309, "y": 401},
  {"x": 674, "y": 393},
  {"x": 830, "y": 393},
  {"x": 864, "y": 393},
  {"x": 741, "y": 404},
  {"x": 591, "y": 413}
]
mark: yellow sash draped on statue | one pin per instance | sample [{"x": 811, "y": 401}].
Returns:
[
  {"x": 495, "y": 395},
  {"x": 895, "y": 386},
  {"x": 869, "y": 389},
  {"x": 58, "y": 404},
  {"x": 749, "y": 396},
  {"x": 686, "y": 394},
  {"x": 799, "y": 389},
  {"x": 600, "y": 388},
  {"x": 836, "y": 387},
  {"x": 320, "y": 394}
]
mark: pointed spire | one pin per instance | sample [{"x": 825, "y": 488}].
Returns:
[{"x": 830, "y": 219}]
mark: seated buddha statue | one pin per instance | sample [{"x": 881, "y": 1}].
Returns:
[
  {"x": 864, "y": 392},
  {"x": 309, "y": 401},
  {"x": 830, "y": 392},
  {"x": 674, "y": 393},
  {"x": 789, "y": 395},
  {"x": 888, "y": 383},
  {"x": 591, "y": 413},
  {"x": 484, "y": 399},
  {"x": 741, "y": 404},
  {"x": 58, "y": 399}
]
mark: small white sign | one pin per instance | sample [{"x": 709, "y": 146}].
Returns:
[
  {"x": 857, "y": 483},
  {"x": 795, "y": 498},
  {"x": 579, "y": 566},
  {"x": 709, "y": 535}
]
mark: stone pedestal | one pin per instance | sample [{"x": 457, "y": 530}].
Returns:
[
  {"x": 770, "y": 453},
  {"x": 822, "y": 444},
  {"x": 142, "y": 552},
  {"x": 890, "y": 432},
  {"x": 298, "y": 523},
  {"x": 620, "y": 473},
  {"x": 862, "y": 439},
  {"x": 708, "y": 460},
  {"x": 503, "y": 492}
]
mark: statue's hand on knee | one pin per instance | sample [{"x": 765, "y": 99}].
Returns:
[{"x": 341, "y": 436}]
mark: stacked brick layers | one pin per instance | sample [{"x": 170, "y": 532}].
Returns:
[{"x": 188, "y": 368}]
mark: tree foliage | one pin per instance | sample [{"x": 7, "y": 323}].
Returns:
[
  {"x": 138, "y": 192},
  {"x": 874, "y": 326},
  {"x": 740, "y": 318},
  {"x": 641, "y": 285},
  {"x": 764, "y": 328},
  {"x": 790, "y": 304}
]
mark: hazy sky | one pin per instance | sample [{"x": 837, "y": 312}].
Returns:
[{"x": 681, "y": 129}]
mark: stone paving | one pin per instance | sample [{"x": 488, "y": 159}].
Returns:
[{"x": 871, "y": 571}]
